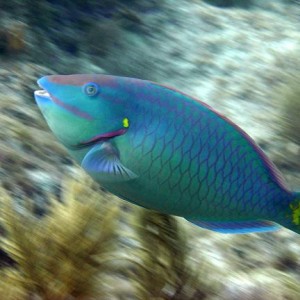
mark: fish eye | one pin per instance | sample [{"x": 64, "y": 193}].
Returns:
[{"x": 90, "y": 89}]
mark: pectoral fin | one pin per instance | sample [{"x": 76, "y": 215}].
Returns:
[{"x": 103, "y": 161}]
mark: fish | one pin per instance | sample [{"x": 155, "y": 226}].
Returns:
[{"x": 159, "y": 148}]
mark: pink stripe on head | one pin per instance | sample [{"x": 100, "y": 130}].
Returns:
[
  {"x": 104, "y": 136},
  {"x": 74, "y": 110},
  {"x": 81, "y": 79}
]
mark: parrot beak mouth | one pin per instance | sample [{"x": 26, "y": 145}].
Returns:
[{"x": 42, "y": 96}]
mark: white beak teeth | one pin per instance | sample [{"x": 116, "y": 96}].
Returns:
[{"x": 42, "y": 93}]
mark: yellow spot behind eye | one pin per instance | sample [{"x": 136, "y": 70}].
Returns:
[{"x": 125, "y": 123}]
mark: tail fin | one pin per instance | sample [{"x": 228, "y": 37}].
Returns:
[{"x": 292, "y": 217}]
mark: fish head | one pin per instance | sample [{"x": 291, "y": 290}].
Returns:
[{"x": 83, "y": 110}]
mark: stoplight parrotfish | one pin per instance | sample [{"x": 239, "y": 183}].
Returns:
[{"x": 161, "y": 149}]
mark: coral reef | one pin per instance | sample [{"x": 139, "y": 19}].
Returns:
[
  {"x": 163, "y": 269},
  {"x": 290, "y": 101},
  {"x": 258, "y": 285},
  {"x": 71, "y": 251},
  {"x": 61, "y": 254},
  {"x": 12, "y": 38},
  {"x": 24, "y": 148},
  {"x": 230, "y": 3}
]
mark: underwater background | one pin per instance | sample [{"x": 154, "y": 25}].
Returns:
[{"x": 61, "y": 236}]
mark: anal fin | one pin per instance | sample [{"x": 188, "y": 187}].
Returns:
[{"x": 237, "y": 226}]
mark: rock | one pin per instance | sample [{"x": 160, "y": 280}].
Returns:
[{"x": 259, "y": 285}]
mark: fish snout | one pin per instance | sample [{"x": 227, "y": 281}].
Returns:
[{"x": 42, "y": 96}]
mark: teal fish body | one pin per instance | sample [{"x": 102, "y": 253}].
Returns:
[{"x": 161, "y": 149}]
